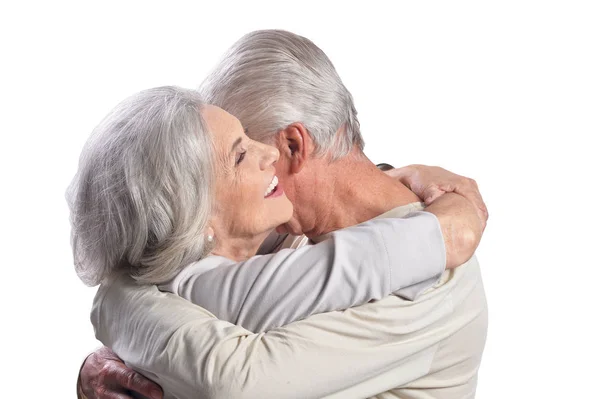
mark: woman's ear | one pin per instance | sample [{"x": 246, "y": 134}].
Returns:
[
  {"x": 296, "y": 144},
  {"x": 209, "y": 235}
]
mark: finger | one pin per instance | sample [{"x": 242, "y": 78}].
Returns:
[
  {"x": 136, "y": 382},
  {"x": 446, "y": 187}
]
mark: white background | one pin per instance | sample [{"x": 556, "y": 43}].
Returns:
[{"x": 505, "y": 92}]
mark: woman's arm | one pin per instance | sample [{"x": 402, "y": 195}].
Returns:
[
  {"x": 191, "y": 354},
  {"x": 351, "y": 267},
  {"x": 431, "y": 182},
  {"x": 110, "y": 379}
]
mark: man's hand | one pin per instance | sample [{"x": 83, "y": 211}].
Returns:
[
  {"x": 105, "y": 376},
  {"x": 430, "y": 182}
]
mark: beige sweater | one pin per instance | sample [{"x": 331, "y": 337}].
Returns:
[{"x": 382, "y": 347}]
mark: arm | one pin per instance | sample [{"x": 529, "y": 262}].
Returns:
[
  {"x": 462, "y": 231},
  {"x": 115, "y": 375},
  {"x": 462, "y": 228},
  {"x": 193, "y": 355},
  {"x": 351, "y": 267},
  {"x": 104, "y": 376},
  {"x": 463, "y": 220},
  {"x": 430, "y": 182}
]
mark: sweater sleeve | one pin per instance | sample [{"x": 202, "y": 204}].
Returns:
[{"x": 351, "y": 267}]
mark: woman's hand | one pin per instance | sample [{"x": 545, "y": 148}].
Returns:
[
  {"x": 105, "y": 376},
  {"x": 430, "y": 182}
]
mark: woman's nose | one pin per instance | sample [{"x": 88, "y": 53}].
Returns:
[{"x": 270, "y": 156}]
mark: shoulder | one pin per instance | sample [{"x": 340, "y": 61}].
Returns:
[
  {"x": 122, "y": 305},
  {"x": 194, "y": 269}
]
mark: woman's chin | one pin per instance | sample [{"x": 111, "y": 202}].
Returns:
[
  {"x": 280, "y": 213},
  {"x": 286, "y": 212}
]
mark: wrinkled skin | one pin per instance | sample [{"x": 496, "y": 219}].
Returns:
[
  {"x": 105, "y": 376},
  {"x": 430, "y": 182}
]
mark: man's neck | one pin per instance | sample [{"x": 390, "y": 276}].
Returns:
[{"x": 356, "y": 192}]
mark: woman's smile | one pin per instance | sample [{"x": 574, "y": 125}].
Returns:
[{"x": 274, "y": 190}]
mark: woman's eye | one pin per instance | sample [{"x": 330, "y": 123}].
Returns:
[{"x": 240, "y": 157}]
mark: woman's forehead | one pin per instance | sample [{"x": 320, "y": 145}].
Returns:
[{"x": 223, "y": 126}]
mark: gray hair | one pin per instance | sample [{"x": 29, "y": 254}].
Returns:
[
  {"x": 143, "y": 193},
  {"x": 270, "y": 79}
]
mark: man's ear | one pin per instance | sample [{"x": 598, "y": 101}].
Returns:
[{"x": 295, "y": 143}]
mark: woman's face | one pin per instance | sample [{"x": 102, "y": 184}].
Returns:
[{"x": 249, "y": 202}]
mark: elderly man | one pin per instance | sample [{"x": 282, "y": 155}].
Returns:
[{"x": 286, "y": 92}]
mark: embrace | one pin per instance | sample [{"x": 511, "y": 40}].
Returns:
[{"x": 246, "y": 247}]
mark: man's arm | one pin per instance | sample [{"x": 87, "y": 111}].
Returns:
[{"x": 104, "y": 375}]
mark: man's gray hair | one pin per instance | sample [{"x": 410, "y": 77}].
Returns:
[
  {"x": 270, "y": 79},
  {"x": 143, "y": 193}
]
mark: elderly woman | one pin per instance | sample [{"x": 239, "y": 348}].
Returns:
[{"x": 171, "y": 192}]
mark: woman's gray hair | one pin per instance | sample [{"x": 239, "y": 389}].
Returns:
[
  {"x": 270, "y": 79},
  {"x": 143, "y": 193}
]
